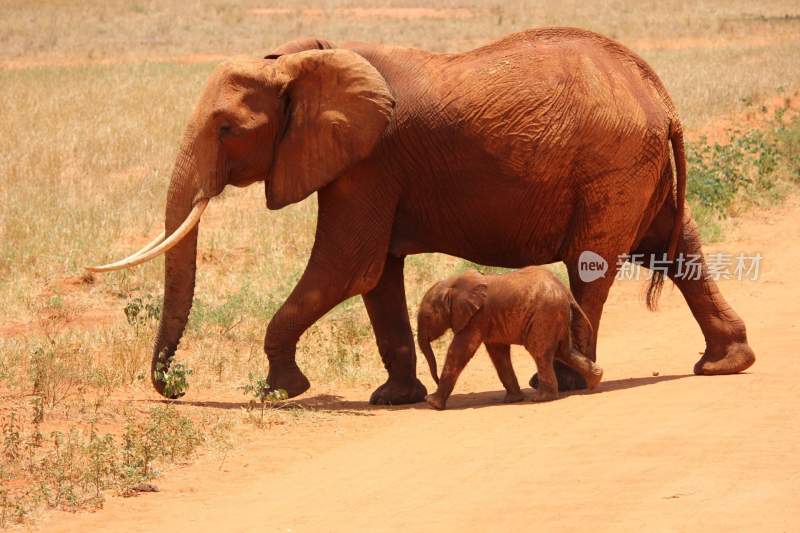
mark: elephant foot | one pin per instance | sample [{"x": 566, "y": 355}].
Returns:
[
  {"x": 542, "y": 396},
  {"x": 513, "y": 397},
  {"x": 730, "y": 359},
  {"x": 289, "y": 377},
  {"x": 568, "y": 379},
  {"x": 396, "y": 392},
  {"x": 594, "y": 377},
  {"x": 435, "y": 400}
]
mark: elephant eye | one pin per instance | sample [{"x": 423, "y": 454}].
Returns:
[{"x": 225, "y": 129}]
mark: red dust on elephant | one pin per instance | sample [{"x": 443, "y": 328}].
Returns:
[{"x": 526, "y": 151}]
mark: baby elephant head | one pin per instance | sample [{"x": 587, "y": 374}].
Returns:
[{"x": 449, "y": 304}]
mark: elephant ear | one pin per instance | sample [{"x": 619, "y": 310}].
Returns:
[
  {"x": 338, "y": 107},
  {"x": 467, "y": 295}
]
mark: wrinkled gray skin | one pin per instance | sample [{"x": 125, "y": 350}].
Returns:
[{"x": 529, "y": 307}]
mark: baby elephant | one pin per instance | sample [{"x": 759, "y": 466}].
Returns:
[{"x": 530, "y": 307}]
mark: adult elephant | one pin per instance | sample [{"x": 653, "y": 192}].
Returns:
[{"x": 526, "y": 151}]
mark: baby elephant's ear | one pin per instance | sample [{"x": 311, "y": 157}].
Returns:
[{"x": 467, "y": 296}]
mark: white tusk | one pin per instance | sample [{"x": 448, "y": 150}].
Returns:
[
  {"x": 154, "y": 249},
  {"x": 152, "y": 244},
  {"x": 113, "y": 266}
]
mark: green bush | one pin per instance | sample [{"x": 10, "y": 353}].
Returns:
[
  {"x": 751, "y": 168},
  {"x": 70, "y": 470},
  {"x": 142, "y": 311},
  {"x": 175, "y": 378}
]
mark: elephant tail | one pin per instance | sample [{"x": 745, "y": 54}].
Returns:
[
  {"x": 581, "y": 331},
  {"x": 679, "y": 154}
]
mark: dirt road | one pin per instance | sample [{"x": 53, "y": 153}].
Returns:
[{"x": 668, "y": 452}]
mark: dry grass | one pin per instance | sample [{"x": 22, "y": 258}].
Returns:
[
  {"x": 711, "y": 55},
  {"x": 94, "y": 99}
]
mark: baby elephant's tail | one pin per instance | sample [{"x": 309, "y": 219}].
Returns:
[{"x": 581, "y": 330}]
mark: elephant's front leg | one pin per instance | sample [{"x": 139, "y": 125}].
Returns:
[
  {"x": 463, "y": 346},
  {"x": 344, "y": 262},
  {"x": 388, "y": 312},
  {"x": 317, "y": 292}
]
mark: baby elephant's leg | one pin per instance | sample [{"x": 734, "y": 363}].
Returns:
[
  {"x": 590, "y": 372},
  {"x": 544, "y": 354},
  {"x": 461, "y": 350},
  {"x": 501, "y": 359}
]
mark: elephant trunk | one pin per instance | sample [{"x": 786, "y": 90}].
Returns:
[
  {"x": 180, "y": 267},
  {"x": 425, "y": 346}
]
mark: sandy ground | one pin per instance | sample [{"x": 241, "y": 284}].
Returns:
[{"x": 666, "y": 452}]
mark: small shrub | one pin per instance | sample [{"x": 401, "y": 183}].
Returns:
[
  {"x": 12, "y": 447},
  {"x": 717, "y": 172},
  {"x": 177, "y": 435},
  {"x": 752, "y": 168},
  {"x": 72, "y": 469},
  {"x": 55, "y": 369},
  {"x": 175, "y": 378},
  {"x": 164, "y": 434},
  {"x": 142, "y": 311},
  {"x": 259, "y": 390}
]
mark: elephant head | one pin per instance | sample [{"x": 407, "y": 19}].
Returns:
[
  {"x": 295, "y": 121},
  {"x": 449, "y": 304}
]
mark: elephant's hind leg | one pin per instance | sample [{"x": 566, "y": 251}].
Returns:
[
  {"x": 591, "y": 296},
  {"x": 603, "y": 230},
  {"x": 543, "y": 344},
  {"x": 547, "y": 389},
  {"x": 727, "y": 350},
  {"x": 388, "y": 313},
  {"x": 500, "y": 355},
  {"x": 590, "y": 372}
]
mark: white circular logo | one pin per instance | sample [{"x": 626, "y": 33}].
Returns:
[{"x": 591, "y": 266}]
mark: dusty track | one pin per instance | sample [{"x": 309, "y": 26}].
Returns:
[{"x": 666, "y": 452}]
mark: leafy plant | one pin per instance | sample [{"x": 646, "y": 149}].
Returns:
[
  {"x": 58, "y": 473},
  {"x": 717, "y": 172},
  {"x": 175, "y": 378},
  {"x": 11, "y": 438},
  {"x": 54, "y": 370},
  {"x": 748, "y": 169},
  {"x": 102, "y": 465},
  {"x": 165, "y": 434},
  {"x": 258, "y": 388},
  {"x": 141, "y": 311}
]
